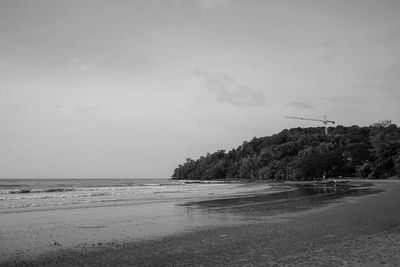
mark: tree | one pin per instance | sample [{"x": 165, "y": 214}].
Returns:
[{"x": 304, "y": 153}]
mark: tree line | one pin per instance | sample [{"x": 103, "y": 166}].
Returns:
[{"x": 304, "y": 154}]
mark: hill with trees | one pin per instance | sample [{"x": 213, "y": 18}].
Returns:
[{"x": 304, "y": 154}]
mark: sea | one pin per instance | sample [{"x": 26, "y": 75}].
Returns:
[{"x": 18, "y": 195}]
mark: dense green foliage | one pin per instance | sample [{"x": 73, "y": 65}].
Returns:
[{"x": 304, "y": 154}]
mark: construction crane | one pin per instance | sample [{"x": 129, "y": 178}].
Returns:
[{"x": 324, "y": 121}]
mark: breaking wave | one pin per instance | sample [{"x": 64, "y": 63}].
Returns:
[{"x": 43, "y": 194}]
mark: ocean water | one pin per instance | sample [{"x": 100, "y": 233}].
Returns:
[{"x": 18, "y": 195}]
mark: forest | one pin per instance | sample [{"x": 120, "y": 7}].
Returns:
[{"x": 371, "y": 152}]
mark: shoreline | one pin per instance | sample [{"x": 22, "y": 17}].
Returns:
[
  {"x": 154, "y": 199},
  {"x": 25, "y": 234},
  {"x": 222, "y": 245}
]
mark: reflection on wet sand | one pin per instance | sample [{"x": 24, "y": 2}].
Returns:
[
  {"x": 28, "y": 234},
  {"x": 296, "y": 197}
]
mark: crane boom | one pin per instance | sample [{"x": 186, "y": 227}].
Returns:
[
  {"x": 307, "y": 119},
  {"x": 324, "y": 121}
]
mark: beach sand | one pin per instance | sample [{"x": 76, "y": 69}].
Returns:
[{"x": 354, "y": 231}]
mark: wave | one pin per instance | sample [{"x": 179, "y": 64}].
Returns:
[
  {"x": 37, "y": 190},
  {"x": 58, "y": 190},
  {"x": 29, "y": 189},
  {"x": 15, "y": 198}
]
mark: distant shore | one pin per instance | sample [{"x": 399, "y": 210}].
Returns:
[{"x": 355, "y": 231}]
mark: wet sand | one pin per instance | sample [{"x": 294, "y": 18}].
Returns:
[
  {"x": 28, "y": 232},
  {"x": 299, "y": 230}
]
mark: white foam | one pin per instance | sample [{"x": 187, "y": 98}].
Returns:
[{"x": 12, "y": 199}]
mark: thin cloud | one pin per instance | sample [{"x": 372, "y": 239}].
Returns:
[
  {"x": 391, "y": 37},
  {"x": 77, "y": 63},
  {"x": 15, "y": 118},
  {"x": 384, "y": 79},
  {"x": 389, "y": 72},
  {"x": 10, "y": 109},
  {"x": 89, "y": 113},
  {"x": 342, "y": 100},
  {"x": 301, "y": 105},
  {"x": 215, "y": 3},
  {"x": 328, "y": 43},
  {"x": 327, "y": 50},
  {"x": 227, "y": 90}
]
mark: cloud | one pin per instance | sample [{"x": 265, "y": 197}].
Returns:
[
  {"x": 77, "y": 63},
  {"x": 89, "y": 113},
  {"x": 215, "y": 3},
  {"x": 326, "y": 50},
  {"x": 390, "y": 72},
  {"x": 227, "y": 90},
  {"x": 13, "y": 110},
  {"x": 301, "y": 105},
  {"x": 391, "y": 37},
  {"x": 385, "y": 79},
  {"x": 342, "y": 99},
  {"x": 329, "y": 42},
  {"x": 15, "y": 119}
]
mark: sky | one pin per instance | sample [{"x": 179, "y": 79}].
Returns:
[{"x": 130, "y": 89}]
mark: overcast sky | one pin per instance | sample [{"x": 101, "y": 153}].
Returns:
[{"x": 131, "y": 88}]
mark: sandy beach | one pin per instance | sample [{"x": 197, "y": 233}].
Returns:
[
  {"x": 46, "y": 221},
  {"x": 355, "y": 229}
]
